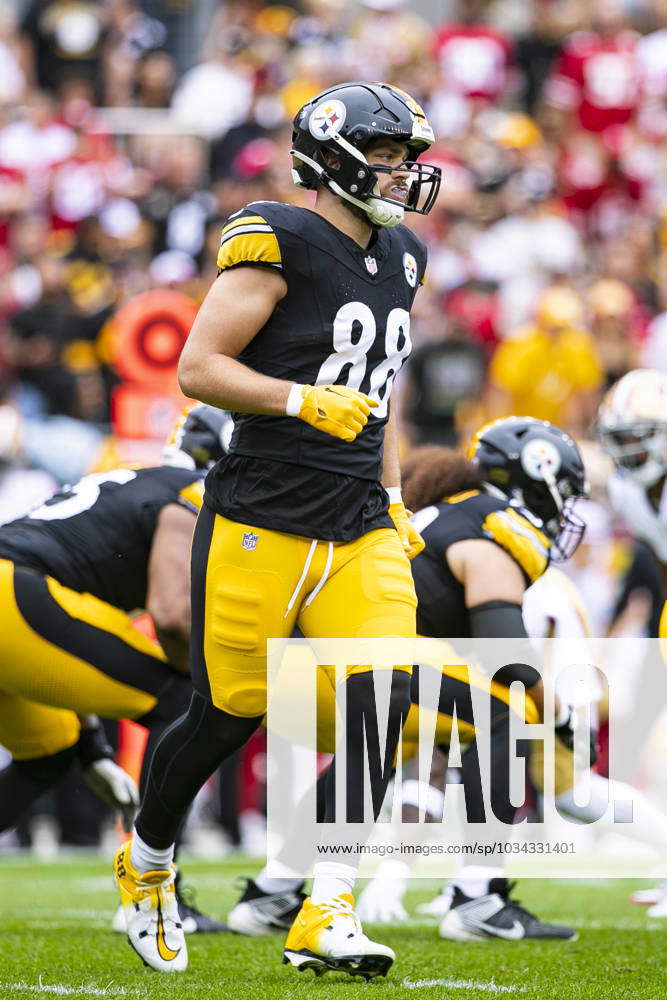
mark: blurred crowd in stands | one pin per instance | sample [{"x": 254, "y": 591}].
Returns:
[{"x": 131, "y": 129}]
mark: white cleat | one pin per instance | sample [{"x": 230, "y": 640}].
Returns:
[
  {"x": 153, "y": 923},
  {"x": 647, "y": 897},
  {"x": 258, "y": 913},
  {"x": 329, "y": 936},
  {"x": 438, "y": 906},
  {"x": 118, "y": 924},
  {"x": 659, "y": 908}
]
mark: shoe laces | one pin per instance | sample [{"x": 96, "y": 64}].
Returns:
[
  {"x": 339, "y": 907},
  {"x": 514, "y": 904},
  {"x": 147, "y": 889}
]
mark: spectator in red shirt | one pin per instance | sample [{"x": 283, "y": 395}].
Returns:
[
  {"x": 474, "y": 57},
  {"x": 596, "y": 77}
]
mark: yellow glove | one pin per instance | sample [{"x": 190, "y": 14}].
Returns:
[
  {"x": 412, "y": 541},
  {"x": 334, "y": 409}
]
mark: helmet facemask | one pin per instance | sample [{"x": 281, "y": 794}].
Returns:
[
  {"x": 553, "y": 502},
  {"x": 355, "y": 180}
]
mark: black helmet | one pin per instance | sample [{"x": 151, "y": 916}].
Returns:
[
  {"x": 538, "y": 467},
  {"x": 343, "y": 120},
  {"x": 200, "y": 438}
]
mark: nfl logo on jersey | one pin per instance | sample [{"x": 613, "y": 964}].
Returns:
[
  {"x": 371, "y": 265},
  {"x": 249, "y": 540}
]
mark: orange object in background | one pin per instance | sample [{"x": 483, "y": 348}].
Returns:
[
  {"x": 148, "y": 335},
  {"x": 144, "y": 341},
  {"x": 141, "y": 411},
  {"x": 132, "y": 740}
]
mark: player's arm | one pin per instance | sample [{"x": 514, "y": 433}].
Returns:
[
  {"x": 237, "y": 306},
  {"x": 168, "y": 600},
  {"x": 494, "y": 586},
  {"x": 410, "y": 538}
]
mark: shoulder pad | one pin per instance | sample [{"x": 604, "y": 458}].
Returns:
[
  {"x": 249, "y": 238},
  {"x": 526, "y": 544}
]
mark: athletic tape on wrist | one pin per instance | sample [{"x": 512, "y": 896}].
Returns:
[{"x": 294, "y": 400}]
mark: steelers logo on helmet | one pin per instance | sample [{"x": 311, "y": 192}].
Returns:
[
  {"x": 327, "y": 119},
  {"x": 540, "y": 459},
  {"x": 410, "y": 269}
]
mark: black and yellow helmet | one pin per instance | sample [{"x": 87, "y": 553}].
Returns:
[
  {"x": 538, "y": 467},
  {"x": 200, "y": 438},
  {"x": 343, "y": 121}
]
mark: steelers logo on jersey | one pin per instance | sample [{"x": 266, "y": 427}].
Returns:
[
  {"x": 327, "y": 119},
  {"x": 410, "y": 269}
]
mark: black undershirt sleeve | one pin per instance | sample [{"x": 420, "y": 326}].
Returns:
[
  {"x": 497, "y": 620},
  {"x": 503, "y": 620}
]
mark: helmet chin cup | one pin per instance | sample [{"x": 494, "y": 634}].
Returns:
[
  {"x": 379, "y": 212},
  {"x": 383, "y": 213}
]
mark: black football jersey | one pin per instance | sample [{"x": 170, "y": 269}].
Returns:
[
  {"x": 344, "y": 320},
  {"x": 95, "y": 537},
  {"x": 441, "y": 611}
]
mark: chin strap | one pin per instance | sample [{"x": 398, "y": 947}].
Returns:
[{"x": 380, "y": 212}]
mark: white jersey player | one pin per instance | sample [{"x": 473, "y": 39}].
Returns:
[{"x": 632, "y": 425}]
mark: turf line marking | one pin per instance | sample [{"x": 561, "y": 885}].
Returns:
[
  {"x": 59, "y": 989},
  {"x": 462, "y": 984}
]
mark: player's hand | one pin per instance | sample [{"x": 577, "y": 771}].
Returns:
[
  {"x": 333, "y": 409},
  {"x": 381, "y": 902},
  {"x": 565, "y": 733},
  {"x": 114, "y": 786},
  {"x": 411, "y": 540}
]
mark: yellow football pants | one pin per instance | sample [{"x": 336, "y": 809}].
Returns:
[
  {"x": 251, "y": 584},
  {"x": 65, "y": 654}
]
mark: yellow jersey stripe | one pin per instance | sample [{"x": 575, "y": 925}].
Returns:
[
  {"x": 256, "y": 246},
  {"x": 526, "y": 544},
  {"x": 192, "y": 496},
  {"x": 244, "y": 220},
  {"x": 459, "y": 497}
]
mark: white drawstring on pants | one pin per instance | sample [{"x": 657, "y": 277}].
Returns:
[{"x": 323, "y": 579}]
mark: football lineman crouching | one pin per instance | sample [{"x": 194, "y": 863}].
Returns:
[
  {"x": 491, "y": 527},
  {"x": 71, "y": 573},
  {"x": 303, "y": 524}
]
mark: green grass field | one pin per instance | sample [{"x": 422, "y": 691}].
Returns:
[{"x": 55, "y": 941}]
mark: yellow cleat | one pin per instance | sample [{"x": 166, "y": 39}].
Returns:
[
  {"x": 152, "y": 919},
  {"x": 329, "y": 936}
]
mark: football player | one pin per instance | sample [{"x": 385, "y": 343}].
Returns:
[
  {"x": 491, "y": 527},
  {"x": 301, "y": 336},
  {"x": 71, "y": 573},
  {"x": 632, "y": 427}
]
